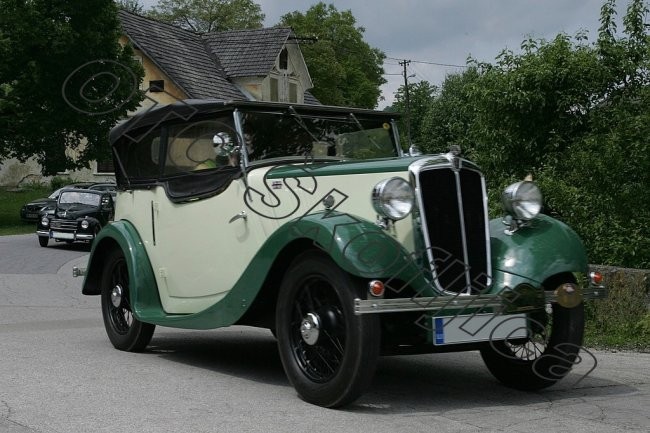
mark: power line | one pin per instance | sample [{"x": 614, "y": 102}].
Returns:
[{"x": 449, "y": 65}]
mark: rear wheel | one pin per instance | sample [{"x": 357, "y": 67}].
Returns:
[
  {"x": 123, "y": 329},
  {"x": 546, "y": 356},
  {"x": 43, "y": 240},
  {"x": 328, "y": 353}
]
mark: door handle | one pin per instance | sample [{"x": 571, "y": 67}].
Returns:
[{"x": 240, "y": 215}]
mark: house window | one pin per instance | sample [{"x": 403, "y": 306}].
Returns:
[
  {"x": 274, "y": 89},
  {"x": 157, "y": 85},
  {"x": 138, "y": 59},
  {"x": 105, "y": 166},
  {"x": 284, "y": 60},
  {"x": 293, "y": 92}
]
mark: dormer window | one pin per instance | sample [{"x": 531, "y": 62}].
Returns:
[{"x": 284, "y": 60}]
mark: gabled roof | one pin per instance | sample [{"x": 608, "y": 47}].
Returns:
[
  {"x": 248, "y": 53},
  {"x": 201, "y": 64},
  {"x": 182, "y": 55}
]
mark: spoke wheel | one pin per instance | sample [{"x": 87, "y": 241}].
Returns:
[
  {"x": 123, "y": 329},
  {"x": 328, "y": 353},
  {"x": 555, "y": 337}
]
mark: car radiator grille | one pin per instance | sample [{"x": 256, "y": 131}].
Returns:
[
  {"x": 58, "y": 224},
  {"x": 455, "y": 228}
]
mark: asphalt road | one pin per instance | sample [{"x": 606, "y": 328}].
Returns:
[{"x": 59, "y": 373}]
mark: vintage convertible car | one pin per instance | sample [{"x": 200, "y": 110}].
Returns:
[{"x": 312, "y": 222}]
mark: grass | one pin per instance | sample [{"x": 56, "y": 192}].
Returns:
[
  {"x": 622, "y": 321},
  {"x": 10, "y": 204}
]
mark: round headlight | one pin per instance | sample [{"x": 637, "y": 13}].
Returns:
[
  {"x": 45, "y": 222},
  {"x": 85, "y": 224},
  {"x": 393, "y": 198},
  {"x": 522, "y": 200}
]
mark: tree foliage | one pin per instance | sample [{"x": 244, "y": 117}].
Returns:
[
  {"x": 421, "y": 95},
  {"x": 133, "y": 6},
  {"x": 209, "y": 15},
  {"x": 64, "y": 79},
  {"x": 345, "y": 70},
  {"x": 575, "y": 115}
]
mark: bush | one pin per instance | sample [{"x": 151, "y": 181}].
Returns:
[
  {"x": 60, "y": 181},
  {"x": 621, "y": 321}
]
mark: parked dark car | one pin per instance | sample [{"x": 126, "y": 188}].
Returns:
[
  {"x": 105, "y": 186},
  {"x": 30, "y": 211},
  {"x": 78, "y": 216}
]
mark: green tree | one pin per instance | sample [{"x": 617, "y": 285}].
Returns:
[
  {"x": 209, "y": 15},
  {"x": 64, "y": 81},
  {"x": 421, "y": 96},
  {"x": 133, "y": 6},
  {"x": 344, "y": 68},
  {"x": 575, "y": 115},
  {"x": 449, "y": 116}
]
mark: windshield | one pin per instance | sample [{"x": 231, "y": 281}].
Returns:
[
  {"x": 83, "y": 198},
  {"x": 275, "y": 135}
]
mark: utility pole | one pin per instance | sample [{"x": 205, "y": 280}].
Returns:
[{"x": 408, "y": 101}]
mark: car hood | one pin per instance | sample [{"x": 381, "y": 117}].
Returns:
[
  {"x": 336, "y": 168},
  {"x": 76, "y": 213},
  {"x": 40, "y": 202},
  {"x": 342, "y": 167}
]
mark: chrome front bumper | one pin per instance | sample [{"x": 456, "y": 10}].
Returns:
[
  {"x": 75, "y": 236},
  {"x": 497, "y": 303}
]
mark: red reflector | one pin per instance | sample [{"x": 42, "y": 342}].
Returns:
[
  {"x": 596, "y": 277},
  {"x": 376, "y": 288}
]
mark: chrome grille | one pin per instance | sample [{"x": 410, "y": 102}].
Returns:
[
  {"x": 454, "y": 227},
  {"x": 63, "y": 224}
]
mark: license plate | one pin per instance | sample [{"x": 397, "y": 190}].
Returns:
[
  {"x": 32, "y": 215},
  {"x": 478, "y": 327},
  {"x": 62, "y": 235}
]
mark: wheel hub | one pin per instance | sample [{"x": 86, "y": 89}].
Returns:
[
  {"x": 310, "y": 328},
  {"x": 116, "y": 296}
]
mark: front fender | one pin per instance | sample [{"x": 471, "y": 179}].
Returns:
[
  {"x": 358, "y": 246},
  {"x": 143, "y": 289},
  {"x": 545, "y": 248}
]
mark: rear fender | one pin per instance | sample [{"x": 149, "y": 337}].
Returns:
[{"x": 143, "y": 289}]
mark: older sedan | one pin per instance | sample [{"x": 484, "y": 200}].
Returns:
[
  {"x": 79, "y": 215},
  {"x": 30, "y": 212}
]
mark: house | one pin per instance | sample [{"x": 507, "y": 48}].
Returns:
[{"x": 260, "y": 65}]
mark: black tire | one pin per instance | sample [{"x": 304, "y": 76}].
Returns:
[
  {"x": 337, "y": 366},
  {"x": 123, "y": 329},
  {"x": 549, "y": 353},
  {"x": 43, "y": 240}
]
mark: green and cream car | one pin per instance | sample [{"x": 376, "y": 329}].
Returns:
[{"x": 311, "y": 221}]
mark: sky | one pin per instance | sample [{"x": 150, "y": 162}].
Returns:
[{"x": 434, "y": 33}]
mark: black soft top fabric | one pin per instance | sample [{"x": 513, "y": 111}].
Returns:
[{"x": 186, "y": 109}]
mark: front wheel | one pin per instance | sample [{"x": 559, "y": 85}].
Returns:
[
  {"x": 43, "y": 240},
  {"x": 328, "y": 353},
  {"x": 555, "y": 338},
  {"x": 123, "y": 329}
]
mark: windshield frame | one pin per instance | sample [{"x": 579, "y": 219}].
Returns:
[{"x": 347, "y": 116}]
